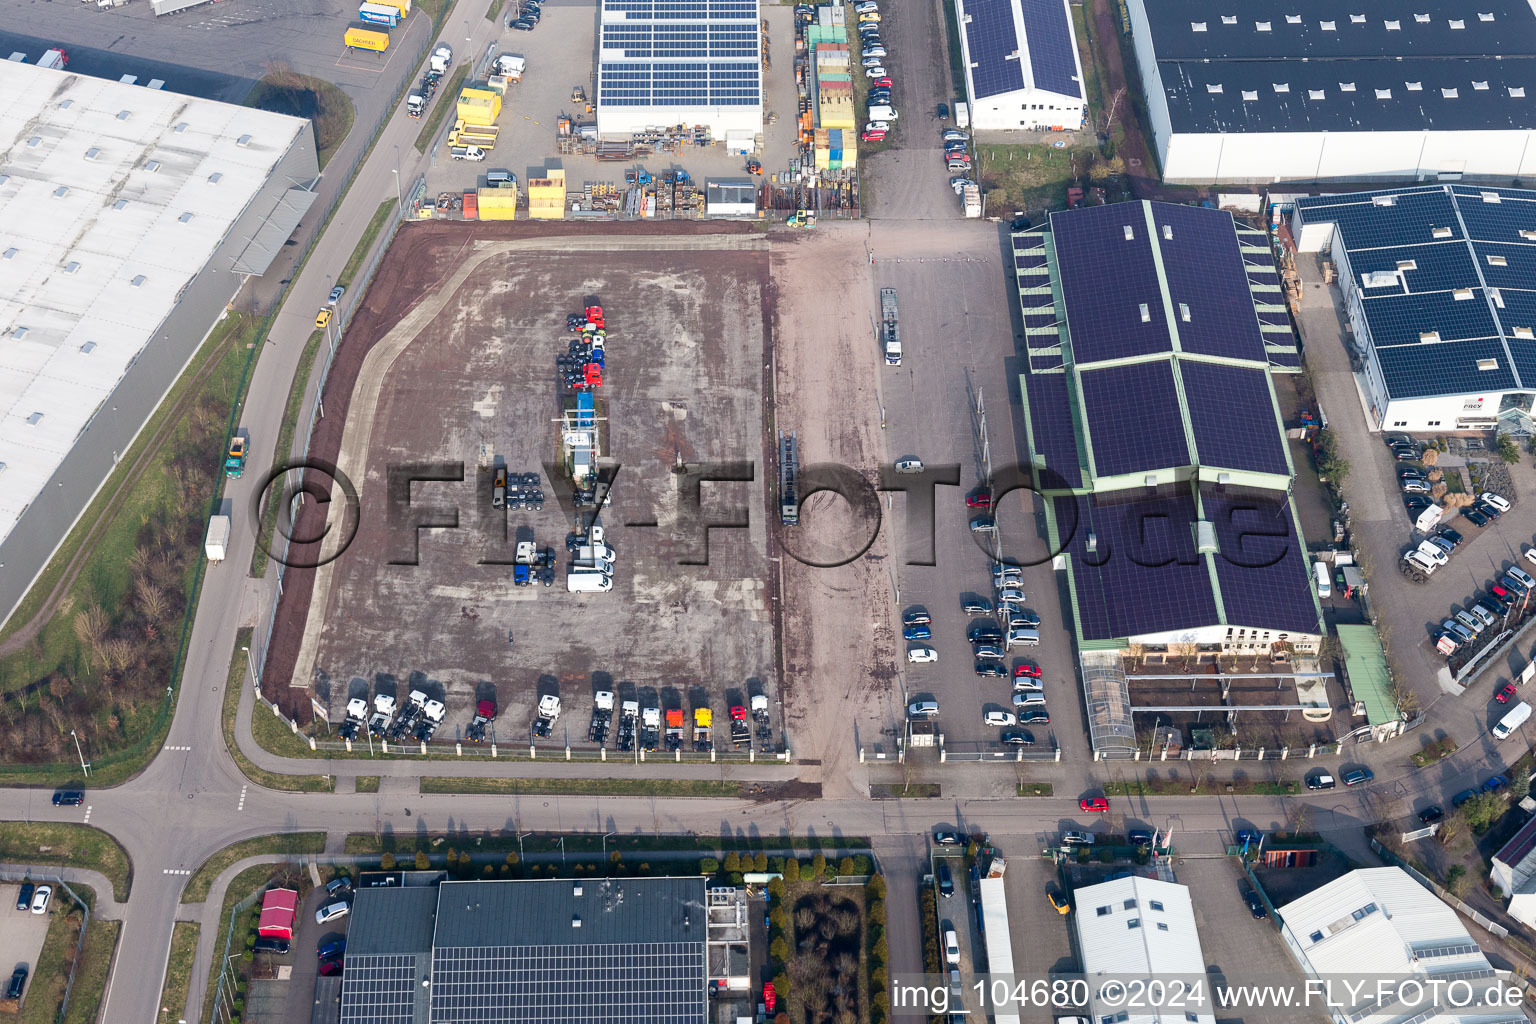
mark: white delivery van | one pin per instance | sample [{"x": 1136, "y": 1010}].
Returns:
[
  {"x": 1512, "y": 721},
  {"x": 886, "y": 113},
  {"x": 1324, "y": 588},
  {"x": 588, "y": 582}
]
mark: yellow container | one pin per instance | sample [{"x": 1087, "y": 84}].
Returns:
[
  {"x": 479, "y": 106},
  {"x": 403, "y": 6},
  {"x": 365, "y": 39},
  {"x": 497, "y": 203}
]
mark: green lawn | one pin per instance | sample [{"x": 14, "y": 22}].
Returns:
[
  {"x": 157, "y": 498},
  {"x": 178, "y": 970},
  {"x": 284, "y": 91},
  {"x": 1182, "y": 787},
  {"x": 898, "y": 791},
  {"x": 72, "y": 846},
  {"x": 262, "y": 719},
  {"x": 447, "y": 100},
  {"x": 1029, "y": 177},
  {"x": 367, "y": 784},
  {"x": 600, "y": 787},
  {"x": 376, "y": 224},
  {"x": 1036, "y": 789},
  {"x": 292, "y": 843},
  {"x": 91, "y": 972}
]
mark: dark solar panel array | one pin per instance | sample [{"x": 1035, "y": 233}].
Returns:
[
  {"x": 1496, "y": 222},
  {"x": 379, "y": 989},
  {"x": 1287, "y": 358},
  {"x": 1411, "y": 219},
  {"x": 1518, "y": 269},
  {"x": 1437, "y": 267},
  {"x": 1447, "y": 368},
  {"x": 1144, "y": 575},
  {"x": 1051, "y": 424},
  {"x": 1401, "y": 319},
  {"x": 993, "y": 46},
  {"x": 1133, "y": 418},
  {"x": 1277, "y": 317},
  {"x": 1048, "y": 34},
  {"x": 1205, "y": 273},
  {"x": 1105, "y": 278},
  {"x": 1232, "y": 414},
  {"x": 1262, "y": 567}
]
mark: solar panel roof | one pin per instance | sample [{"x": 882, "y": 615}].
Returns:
[
  {"x": 381, "y": 989},
  {"x": 1052, "y": 57},
  {"x": 1262, "y": 567},
  {"x": 1207, "y": 282},
  {"x": 1231, "y": 415},
  {"x": 992, "y": 45},
  {"x": 1449, "y": 368},
  {"x": 1134, "y": 424},
  {"x": 1051, "y": 424},
  {"x": 679, "y": 53},
  {"x": 1106, "y": 279}
]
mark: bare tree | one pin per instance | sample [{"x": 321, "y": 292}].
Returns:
[
  {"x": 91, "y": 628},
  {"x": 1113, "y": 112}
]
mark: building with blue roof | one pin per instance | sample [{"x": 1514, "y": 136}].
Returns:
[
  {"x": 1305, "y": 90},
  {"x": 1439, "y": 284},
  {"x": 1022, "y": 69},
  {"x": 1155, "y": 439}
]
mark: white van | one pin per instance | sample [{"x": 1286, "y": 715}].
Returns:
[
  {"x": 588, "y": 582},
  {"x": 886, "y": 113},
  {"x": 1324, "y": 588},
  {"x": 1428, "y": 518},
  {"x": 1512, "y": 721}
]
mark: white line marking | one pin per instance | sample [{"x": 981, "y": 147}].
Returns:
[
  {"x": 178, "y": 871},
  {"x": 242, "y": 798}
]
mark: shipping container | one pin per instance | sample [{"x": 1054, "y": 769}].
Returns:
[
  {"x": 471, "y": 206},
  {"x": 479, "y": 106},
  {"x": 366, "y": 39},
  {"x": 403, "y": 6},
  {"x": 216, "y": 546},
  {"x": 378, "y": 14},
  {"x": 497, "y": 203}
]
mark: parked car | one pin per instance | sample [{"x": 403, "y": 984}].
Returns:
[
  {"x": 1475, "y": 517},
  {"x": 984, "y": 630},
  {"x": 981, "y": 523},
  {"x": 322, "y": 318},
  {"x": 922, "y": 655},
  {"x": 1028, "y": 698},
  {"x": 991, "y": 667},
  {"x": 955, "y": 135},
  {"x": 867, "y": 5},
  {"x": 338, "y": 886},
  {"x": 1010, "y": 593},
  {"x": 886, "y": 82},
  {"x": 1457, "y": 630},
  {"x": 522, "y": 25},
  {"x": 1431, "y": 814},
  {"x": 1320, "y": 780},
  {"x": 946, "y": 880},
  {"x": 1493, "y": 785},
  {"x": 947, "y": 838},
  {"x": 1406, "y": 454},
  {"x": 333, "y": 948},
  {"x": 1034, "y": 716},
  {"x": 1498, "y": 501},
  {"x": 1139, "y": 837},
  {"x": 1060, "y": 906},
  {"x": 266, "y": 944},
  {"x": 331, "y": 911},
  {"x": 1504, "y": 695},
  {"x": 874, "y": 71},
  {"x": 1018, "y": 737},
  {"x": 998, "y": 718},
  {"x": 330, "y": 968},
  {"x": 1026, "y": 670},
  {"x": 1074, "y": 837},
  {"x": 1095, "y": 804},
  {"x": 923, "y": 709},
  {"x": 40, "y": 899},
  {"x": 17, "y": 984},
  {"x": 872, "y": 136},
  {"x": 1463, "y": 797},
  {"x": 980, "y": 498},
  {"x": 24, "y": 897},
  {"x": 68, "y": 798},
  {"x": 1446, "y": 533},
  {"x": 1415, "y": 487},
  {"x": 1490, "y": 510},
  {"x": 1255, "y": 905},
  {"x": 1358, "y": 776},
  {"x": 1524, "y": 578},
  {"x": 951, "y": 944},
  {"x": 1246, "y": 835},
  {"x": 990, "y": 652},
  {"x": 916, "y": 633},
  {"x": 909, "y": 465},
  {"x": 916, "y": 617},
  {"x": 336, "y": 294}
]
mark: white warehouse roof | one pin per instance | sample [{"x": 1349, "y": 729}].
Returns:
[
  {"x": 1139, "y": 928},
  {"x": 1380, "y": 922},
  {"x": 113, "y": 197}
]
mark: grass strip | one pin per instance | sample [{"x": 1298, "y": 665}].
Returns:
[
  {"x": 91, "y": 971},
  {"x": 1036, "y": 789},
  {"x": 591, "y": 787},
  {"x": 1184, "y": 787},
  {"x": 178, "y": 969},
  {"x": 372, "y": 844},
  {"x": 290, "y": 843},
  {"x": 904, "y": 791},
  {"x": 367, "y": 784},
  {"x": 260, "y": 717},
  {"x": 70, "y": 846},
  {"x": 241, "y": 886},
  {"x": 328, "y": 108},
  {"x": 439, "y": 110},
  {"x": 494, "y": 11}
]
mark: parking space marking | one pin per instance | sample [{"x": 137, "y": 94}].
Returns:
[{"x": 241, "y": 807}]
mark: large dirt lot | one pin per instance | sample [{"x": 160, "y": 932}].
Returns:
[{"x": 468, "y": 375}]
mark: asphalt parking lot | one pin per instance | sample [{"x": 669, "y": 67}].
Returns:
[
  {"x": 1042, "y": 937},
  {"x": 22, "y": 934},
  {"x": 561, "y": 55},
  {"x": 478, "y": 385},
  {"x": 957, "y": 325},
  {"x": 1237, "y": 947}
]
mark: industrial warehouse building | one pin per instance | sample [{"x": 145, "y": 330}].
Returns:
[
  {"x": 599, "y": 951},
  {"x": 1022, "y": 69},
  {"x": 1439, "y": 285},
  {"x": 1139, "y": 928},
  {"x": 1306, "y": 90},
  {"x": 1159, "y": 449},
  {"x": 131, "y": 218},
  {"x": 1380, "y": 923},
  {"x": 695, "y": 63}
]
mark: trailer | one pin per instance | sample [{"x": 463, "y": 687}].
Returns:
[
  {"x": 216, "y": 545},
  {"x": 366, "y": 39},
  {"x": 357, "y": 716},
  {"x": 741, "y": 729},
  {"x": 703, "y": 729},
  {"x": 485, "y": 714},
  {"x": 789, "y": 469},
  {"x": 549, "y": 713},
  {"x": 629, "y": 721},
  {"x": 890, "y": 329},
  {"x": 676, "y": 727},
  {"x": 383, "y": 715},
  {"x": 55, "y": 58},
  {"x": 378, "y": 14},
  {"x": 650, "y": 728}
]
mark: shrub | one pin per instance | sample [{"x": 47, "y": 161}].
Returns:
[
  {"x": 881, "y": 951},
  {"x": 1482, "y": 811},
  {"x": 778, "y": 950},
  {"x": 733, "y": 861},
  {"x": 511, "y": 860},
  {"x": 879, "y": 978},
  {"x": 709, "y": 866},
  {"x": 760, "y": 862},
  {"x": 421, "y": 860},
  {"x": 846, "y": 866},
  {"x": 778, "y": 919},
  {"x": 776, "y": 864},
  {"x": 818, "y": 866},
  {"x": 876, "y": 912},
  {"x": 776, "y": 888},
  {"x": 781, "y": 984},
  {"x": 644, "y": 868},
  {"x": 791, "y": 871},
  {"x": 387, "y": 862},
  {"x": 876, "y": 886}
]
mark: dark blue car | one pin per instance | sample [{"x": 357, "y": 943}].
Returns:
[
  {"x": 1473, "y": 516},
  {"x": 335, "y": 947},
  {"x": 1495, "y": 784},
  {"x": 917, "y": 633},
  {"x": 1463, "y": 797}
]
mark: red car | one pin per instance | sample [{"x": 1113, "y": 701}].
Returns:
[
  {"x": 1026, "y": 670},
  {"x": 1504, "y": 695},
  {"x": 330, "y": 967},
  {"x": 979, "y": 499},
  {"x": 872, "y": 136},
  {"x": 1093, "y": 803},
  {"x": 881, "y": 83}
]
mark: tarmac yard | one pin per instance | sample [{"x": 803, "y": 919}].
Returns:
[{"x": 469, "y": 376}]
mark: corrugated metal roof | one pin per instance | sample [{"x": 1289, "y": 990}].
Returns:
[
  {"x": 1138, "y": 927},
  {"x": 1369, "y": 677}
]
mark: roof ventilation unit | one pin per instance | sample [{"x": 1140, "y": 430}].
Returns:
[
  {"x": 1462, "y": 294},
  {"x": 1146, "y": 314},
  {"x": 1130, "y": 233},
  {"x": 1487, "y": 364},
  {"x": 1525, "y": 333},
  {"x": 1379, "y": 278},
  {"x": 1382, "y": 200},
  {"x": 1440, "y": 232},
  {"x": 1205, "y": 538},
  {"x": 575, "y": 920},
  {"x": 1429, "y": 337}
]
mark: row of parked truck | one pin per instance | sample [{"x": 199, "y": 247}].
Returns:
[{"x": 418, "y": 720}]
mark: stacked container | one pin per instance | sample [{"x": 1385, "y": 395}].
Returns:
[
  {"x": 498, "y": 203},
  {"x": 546, "y": 196}
]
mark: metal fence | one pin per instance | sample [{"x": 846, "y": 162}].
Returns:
[{"x": 225, "y": 994}]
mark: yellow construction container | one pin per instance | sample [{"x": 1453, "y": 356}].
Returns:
[
  {"x": 403, "y": 6},
  {"x": 497, "y": 203},
  {"x": 546, "y": 195},
  {"x": 479, "y": 106},
  {"x": 364, "y": 39}
]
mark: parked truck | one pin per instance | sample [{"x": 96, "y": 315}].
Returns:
[
  {"x": 629, "y": 721},
  {"x": 485, "y": 714},
  {"x": 405, "y": 724},
  {"x": 760, "y": 716},
  {"x": 971, "y": 197},
  {"x": 55, "y": 58},
  {"x": 474, "y": 154},
  {"x": 511, "y": 66},
  {"x": 357, "y": 715},
  {"x": 234, "y": 457},
  {"x": 703, "y": 729},
  {"x": 549, "y": 713},
  {"x": 741, "y": 729},
  {"x": 383, "y": 715},
  {"x": 378, "y": 14},
  {"x": 890, "y": 330},
  {"x": 441, "y": 59},
  {"x": 216, "y": 546},
  {"x": 416, "y": 103},
  {"x": 432, "y": 712},
  {"x": 650, "y": 727},
  {"x": 602, "y": 717},
  {"x": 676, "y": 728}
]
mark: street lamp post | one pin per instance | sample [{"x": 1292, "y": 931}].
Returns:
[
  {"x": 83, "y": 766},
  {"x": 520, "y": 837},
  {"x": 250, "y": 672},
  {"x": 605, "y": 845}
]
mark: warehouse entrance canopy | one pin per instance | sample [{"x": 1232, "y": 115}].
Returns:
[{"x": 279, "y": 226}]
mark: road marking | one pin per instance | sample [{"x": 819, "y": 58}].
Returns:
[
  {"x": 178, "y": 748},
  {"x": 178, "y": 871},
  {"x": 242, "y": 798},
  {"x": 87, "y": 820}
]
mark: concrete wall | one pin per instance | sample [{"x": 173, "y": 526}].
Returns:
[
  {"x": 25, "y": 552},
  {"x": 1345, "y": 156}
]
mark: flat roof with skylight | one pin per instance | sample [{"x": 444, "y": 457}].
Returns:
[{"x": 113, "y": 198}]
